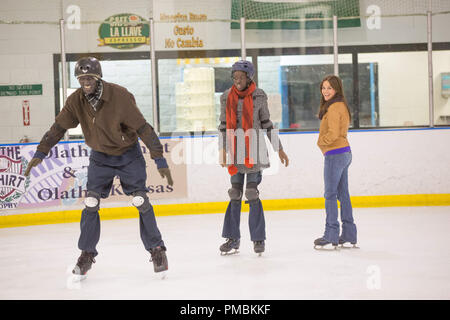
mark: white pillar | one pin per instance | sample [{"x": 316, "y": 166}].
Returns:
[
  {"x": 430, "y": 68},
  {"x": 243, "y": 50},
  {"x": 153, "y": 67},
  {"x": 63, "y": 67},
  {"x": 335, "y": 46}
]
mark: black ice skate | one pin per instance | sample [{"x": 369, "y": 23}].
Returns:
[
  {"x": 83, "y": 265},
  {"x": 230, "y": 245},
  {"x": 342, "y": 242},
  {"x": 319, "y": 244},
  {"x": 259, "y": 247},
  {"x": 159, "y": 259}
]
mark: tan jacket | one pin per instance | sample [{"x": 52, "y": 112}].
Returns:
[
  {"x": 112, "y": 129},
  {"x": 334, "y": 128}
]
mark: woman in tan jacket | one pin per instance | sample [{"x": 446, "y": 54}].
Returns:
[{"x": 335, "y": 119}]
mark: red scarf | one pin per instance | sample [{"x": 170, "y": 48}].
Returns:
[{"x": 247, "y": 122}]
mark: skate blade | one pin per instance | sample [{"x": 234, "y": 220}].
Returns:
[
  {"x": 160, "y": 269},
  {"x": 259, "y": 253},
  {"x": 78, "y": 278},
  {"x": 161, "y": 275},
  {"x": 354, "y": 246},
  {"x": 326, "y": 248},
  {"x": 236, "y": 251}
]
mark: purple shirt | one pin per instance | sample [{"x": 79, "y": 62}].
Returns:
[{"x": 337, "y": 151}]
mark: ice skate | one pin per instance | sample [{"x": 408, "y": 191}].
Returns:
[
  {"x": 320, "y": 243},
  {"x": 159, "y": 259},
  {"x": 83, "y": 265},
  {"x": 342, "y": 242},
  {"x": 259, "y": 247},
  {"x": 230, "y": 245}
]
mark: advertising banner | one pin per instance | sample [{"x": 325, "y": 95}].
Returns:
[
  {"x": 60, "y": 180},
  {"x": 124, "y": 31}
]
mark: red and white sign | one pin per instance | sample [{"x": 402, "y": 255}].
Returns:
[{"x": 26, "y": 112}]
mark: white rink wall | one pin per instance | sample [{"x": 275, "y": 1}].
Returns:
[{"x": 384, "y": 163}]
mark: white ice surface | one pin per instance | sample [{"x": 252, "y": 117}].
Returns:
[{"x": 404, "y": 254}]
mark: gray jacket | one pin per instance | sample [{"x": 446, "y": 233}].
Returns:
[{"x": 261, "y": 124}]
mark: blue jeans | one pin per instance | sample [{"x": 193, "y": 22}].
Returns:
[
  {"x": 336, "y": 188},
  {"x": 256, "y": 220}
]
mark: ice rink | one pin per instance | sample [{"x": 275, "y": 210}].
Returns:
[{"x": 404, "y": 254}]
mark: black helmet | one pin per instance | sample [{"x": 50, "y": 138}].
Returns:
[{"x": 88, "y": 66}]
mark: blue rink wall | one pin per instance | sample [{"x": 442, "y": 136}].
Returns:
[{"x": 391, "y": 167}]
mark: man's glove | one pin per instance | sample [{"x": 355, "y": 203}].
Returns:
[
  {"x": 164, "y": 170},
  {"x": 33, "y": 163},
  {"x": 165, "y": 173}
]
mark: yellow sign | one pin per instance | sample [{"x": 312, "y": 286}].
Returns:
[{"x": 185, "y": 34}]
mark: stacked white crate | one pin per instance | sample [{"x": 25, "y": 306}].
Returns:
[{"x": 195, "y": 105}]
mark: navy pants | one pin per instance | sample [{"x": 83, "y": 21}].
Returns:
[
  {"x": 256, "y": 222},
  {"x": 132, "y": 178}
]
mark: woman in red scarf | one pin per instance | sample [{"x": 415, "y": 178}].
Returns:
[{"x": 244, "y": 120}]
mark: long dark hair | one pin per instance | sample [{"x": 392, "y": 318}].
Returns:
[{"x": 336, "y": 84}]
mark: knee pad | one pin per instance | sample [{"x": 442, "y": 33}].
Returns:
[
  {"x": 92, "y": 201},
  {"x": 140, "y": 201},
  {"x": 235, "y": 192},
  {"x": 251, "y": 192}
]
